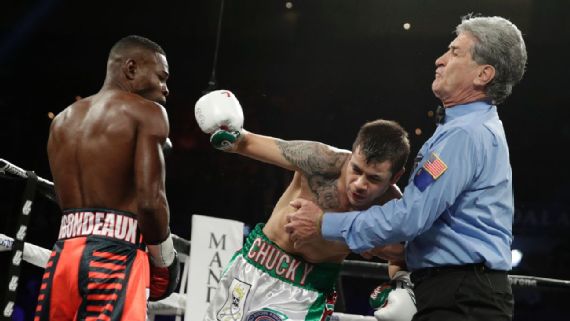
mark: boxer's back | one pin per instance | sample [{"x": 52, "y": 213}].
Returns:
[{"x": 91, "y": 151}]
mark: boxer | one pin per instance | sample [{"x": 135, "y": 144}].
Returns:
[
  {"x": 270, "y": 277},
  {"x": 114, "y": 248}
]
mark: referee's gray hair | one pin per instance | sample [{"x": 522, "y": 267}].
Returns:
[{"x": 501, "y": 45}]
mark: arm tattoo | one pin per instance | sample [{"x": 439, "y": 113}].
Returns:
[
  {"x": 312, "y": 157},
  {"x": 320, "y": 164}
]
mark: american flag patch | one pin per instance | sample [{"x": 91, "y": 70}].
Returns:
[{"x": 434, "y": 166}]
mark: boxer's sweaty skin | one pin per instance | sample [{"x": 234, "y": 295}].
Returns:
[
  {"x": 326, "y": 190},
  {"x": 105, "y": 151},
  {"x": 106, "y": 158},
  {"x": 321, "y": 176}
]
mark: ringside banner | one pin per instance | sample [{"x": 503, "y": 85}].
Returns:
[{"x": 214, "y": 242}]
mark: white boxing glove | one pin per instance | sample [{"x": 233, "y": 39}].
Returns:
[
  {"x": 219, "y": 113},
  {"x": 394, "y": 301}
]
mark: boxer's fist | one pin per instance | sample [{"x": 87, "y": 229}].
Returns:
[
  {"x": 218, "y": 109},
  {"x": 164, "y": 269},
  {"x": 394, "y": 301},
  {"x": 219, "y": 113}
]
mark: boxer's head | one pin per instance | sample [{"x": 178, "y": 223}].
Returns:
[
  {"x": 379, "y": 154},
  {"x": 137, "y": 64}
]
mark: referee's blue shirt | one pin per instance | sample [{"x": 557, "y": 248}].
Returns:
[{"x": 458, "y": 205}]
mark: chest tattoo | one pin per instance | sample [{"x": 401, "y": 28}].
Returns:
[{"x": 325, "y": 191}]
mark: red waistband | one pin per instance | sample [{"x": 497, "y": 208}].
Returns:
[{"x": 100, "y": 222}]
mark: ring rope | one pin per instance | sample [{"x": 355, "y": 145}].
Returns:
[
  {"x": 351, "y": 268},
  {"x": 18, "y": 246}
]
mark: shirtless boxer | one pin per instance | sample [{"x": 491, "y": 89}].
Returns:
[
  {"x": 270, "y": 278},
  {"x": 105, "y": 154}
]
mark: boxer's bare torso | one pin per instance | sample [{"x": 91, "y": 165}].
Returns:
[
  {"x": 98, "y": 146},
  {"x": 322, "y": 174},
  {"x": 334, "y": 199}
]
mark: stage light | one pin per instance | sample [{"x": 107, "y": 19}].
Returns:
[{"x": 517, "y": 256}]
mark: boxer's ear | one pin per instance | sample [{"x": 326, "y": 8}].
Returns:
[
  {"x": 397, "y": 176},
  {"x": 130, "y": 68}
]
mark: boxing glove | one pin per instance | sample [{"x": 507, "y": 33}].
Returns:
[
  {"x": 219, "y": 114},
  {"x": 394, "y": 301},
  {"x": 164, "y": 269}
]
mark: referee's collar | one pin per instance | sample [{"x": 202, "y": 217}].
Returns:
[{"x": 464, "y": 109}]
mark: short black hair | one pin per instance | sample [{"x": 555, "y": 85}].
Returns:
[
  {"x": 135, "y": 42},
  {"x": 381, "y": 140}
]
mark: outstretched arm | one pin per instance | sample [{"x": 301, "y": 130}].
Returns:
[
  {"x": 308, "y": 157},
  {"x": 219, "y": 114}
]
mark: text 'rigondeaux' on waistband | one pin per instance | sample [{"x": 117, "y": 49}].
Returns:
[{"x": 100, "y": 223}]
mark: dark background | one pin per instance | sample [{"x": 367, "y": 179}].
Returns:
[{"x": 315, "y": 71}]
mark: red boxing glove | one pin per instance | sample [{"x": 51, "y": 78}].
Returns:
[{"x": 164, "y": 269}]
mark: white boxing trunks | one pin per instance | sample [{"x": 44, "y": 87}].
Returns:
[{"x": 264, "y": 283}]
